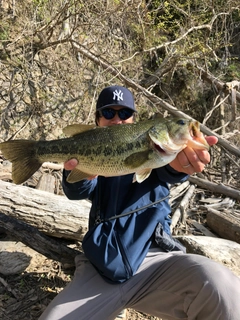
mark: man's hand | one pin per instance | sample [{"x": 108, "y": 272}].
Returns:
[
  {"x": 191, "y": 160},
  {"x": 70, "y": 164}
]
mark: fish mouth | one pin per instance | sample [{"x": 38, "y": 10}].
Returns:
[
  {"x": 197, "y": 140},
  {"x": 168, "y": 150},
  {"x": 159, "y": 148},
  {"x": 193, "y": 138},
  {"x": 194, "y": 129}
]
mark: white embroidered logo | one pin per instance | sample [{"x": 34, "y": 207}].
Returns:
[{"x": 118, "y": 95}]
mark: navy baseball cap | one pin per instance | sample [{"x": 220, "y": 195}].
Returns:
[{"x": 115, "y": 96}]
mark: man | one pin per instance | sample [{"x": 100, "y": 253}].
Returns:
[{"x": 168, "y": 283}]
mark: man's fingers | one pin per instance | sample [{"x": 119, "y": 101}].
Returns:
[{"x": 211, "y": 140}]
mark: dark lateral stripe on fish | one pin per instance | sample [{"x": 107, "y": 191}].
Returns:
[{"x": 107, "y": 151}]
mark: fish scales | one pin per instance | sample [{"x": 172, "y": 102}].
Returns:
[
  {"x": 108, "y": 151},
  {"x": 112, "y": 144},
  {"x": 109, "y": 145}
]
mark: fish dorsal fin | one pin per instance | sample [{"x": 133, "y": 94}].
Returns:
[
  {"x": 142, "y": 175},
  {"x": 74, "y": 129},
  {"x": 137, "y": 159},
  {"x": 76, "y": 175}
]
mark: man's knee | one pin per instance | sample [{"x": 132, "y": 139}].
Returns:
[
  {"x": 217, "y": 290},
  {"x": 208, "y": 270}
]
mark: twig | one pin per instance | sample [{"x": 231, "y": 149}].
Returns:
[
  {"x": 209, "y": 114},
  {"x": 23, "y": 127},
  {"x": 185, "y": 202},
  {"x": 180, "y": 211},
  {"x": 9, "y": 289},
  {"x": 178, "y": 191},
  {"x": 153, "y": 98}
]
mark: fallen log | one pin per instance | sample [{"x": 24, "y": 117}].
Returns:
[
  {"x": 216, "y": 188},
  {"x": 226, "y": 225},
  {"x": 51, "y": 214},
  {"x": 30, "y": 236}
]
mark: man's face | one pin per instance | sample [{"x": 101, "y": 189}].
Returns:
[{"x": 115, "y": 120}]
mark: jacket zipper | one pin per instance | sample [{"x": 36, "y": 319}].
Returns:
[
  {"x": 125, "y": 259},
  {"x": 122, "y": 250},
  {"x": 116, "y": 198}
]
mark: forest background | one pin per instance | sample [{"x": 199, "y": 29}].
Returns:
[
  {"x": 56, "y": 56},
  {"x": 177, "y": 57}
]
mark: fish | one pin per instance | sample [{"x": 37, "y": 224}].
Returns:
[{"x": 131, "y": 148}]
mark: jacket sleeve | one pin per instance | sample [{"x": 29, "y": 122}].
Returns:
[
  {"x": 79, "y": 190},
  {"x": 169, "y": 175}
]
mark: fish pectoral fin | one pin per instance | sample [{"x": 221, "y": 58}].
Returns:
[
  {"x": 77, "y": 175},
  {"x": 137, "y": 159},
  {"x": 74, "y": 129},
  {"x": 142, "y": 175}
]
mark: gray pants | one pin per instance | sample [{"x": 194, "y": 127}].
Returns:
[{"x": 167, "y": 285}]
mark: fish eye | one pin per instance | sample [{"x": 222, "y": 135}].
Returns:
[{"x": 181, "y": 122}]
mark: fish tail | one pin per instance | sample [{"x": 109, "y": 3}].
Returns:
[{"x": 22, "y": 154}]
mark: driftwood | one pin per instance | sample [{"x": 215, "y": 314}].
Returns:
[
  {"x": 216, "y": 188},
  {"x": 26, "y": 212},
  {"x": 178, "y": 191},
  {"x": 36, "y": 240},
  {"x": 203, "y": 229},
  {"x": 180, "y": 211},
  {"x": 46, "y": 183},
  {"x": 52, "y": 214},
  {"x": 226, "y": 225}
]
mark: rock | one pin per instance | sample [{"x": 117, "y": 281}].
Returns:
[
  {"x": 15, "y": 258},
  {"x": 226, "y": 252}
]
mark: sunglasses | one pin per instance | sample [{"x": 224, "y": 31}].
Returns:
[{"x": 109, "y": 113}]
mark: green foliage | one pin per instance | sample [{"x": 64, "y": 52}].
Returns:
[
  {"x": 139, "y": 39},
  {"x": 40, "y": 8},
  {"x": 4, "y": 31},
  {"x": 40, "y": 3},
  {"x": 232, "y": 71}
]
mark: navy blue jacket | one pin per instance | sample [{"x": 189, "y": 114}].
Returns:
[
  {"x": 117, "y": 248},
  {"x": 119, "y": 194}
]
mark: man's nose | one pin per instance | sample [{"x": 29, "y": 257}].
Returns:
[{"x": 116, "y": 119}]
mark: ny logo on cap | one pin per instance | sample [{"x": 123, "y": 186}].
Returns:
[{"x": 118, "y": 95}]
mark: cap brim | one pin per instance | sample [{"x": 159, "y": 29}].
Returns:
[{"x": 116, "y": 105}]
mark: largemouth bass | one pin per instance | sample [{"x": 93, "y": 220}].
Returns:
[{"x": 107, "y": 151}]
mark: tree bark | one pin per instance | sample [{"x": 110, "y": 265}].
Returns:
[
  {"x": 224, "y": 224},
  {"x": 52, "y": 214},
  {"x": 216, "y": 188},
  {"x": 30, "y": 236},
  {"x": 212, "y": 80}
]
